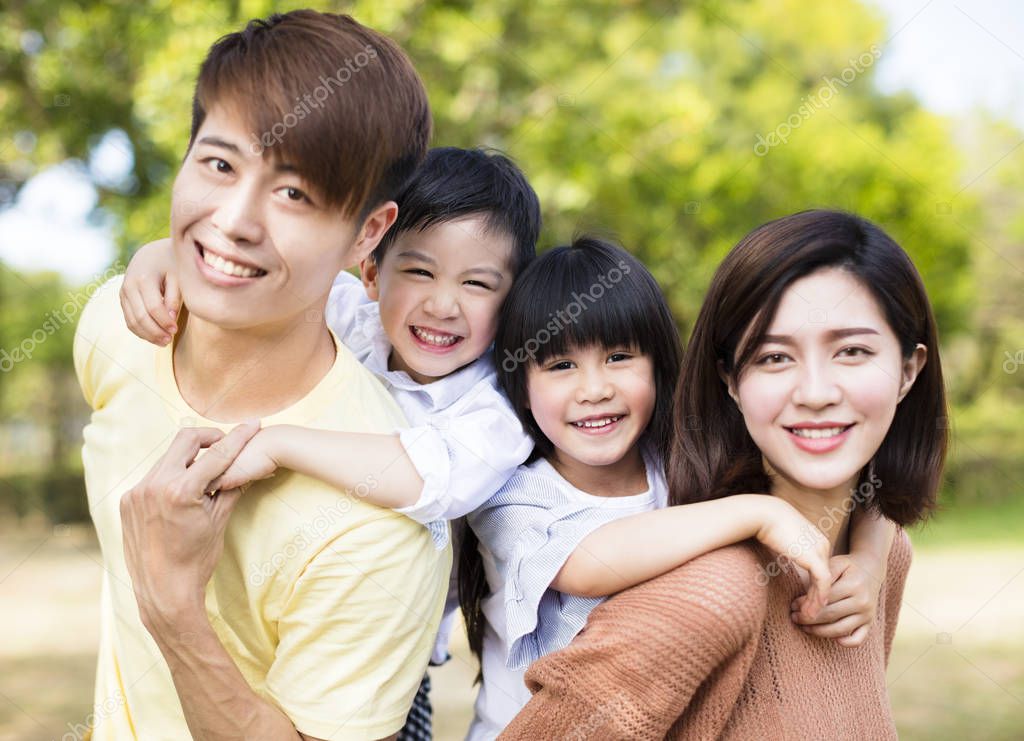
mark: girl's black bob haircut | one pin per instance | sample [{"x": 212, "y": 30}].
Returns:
[{"x": 588, "y": 293}]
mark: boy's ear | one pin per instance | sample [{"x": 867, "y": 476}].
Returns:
[
  {"x": 368, "y": 273},
  {"x": 373, "y": 229}
]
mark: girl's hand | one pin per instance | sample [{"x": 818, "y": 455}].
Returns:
[
  {"x": 852, "y": 606},
  {"x": 150, "y": 297},
  {"x": 790, "y": 534},
  {"x": 255, "y": 462}
]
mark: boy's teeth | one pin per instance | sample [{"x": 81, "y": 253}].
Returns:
[
  {"x": 436, "y": 339},
  {"x": 817, "y": 433},
  {"x": 227, "y": 267},
  {"x": 603, "y": 422}
]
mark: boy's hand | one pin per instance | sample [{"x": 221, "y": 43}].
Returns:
[
  {"x": 150, "y": 298},
  {"x": 792, "y": 535},
  {"x": 255, "y": 462},
  {"x": 852, "y": 605}
]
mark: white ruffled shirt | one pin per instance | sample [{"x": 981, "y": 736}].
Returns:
[
  {"x": 527, "y": 531},
  {"x": 464, "y": 439}
]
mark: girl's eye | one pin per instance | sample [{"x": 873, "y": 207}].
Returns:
[
  {"x": 561, "y": 365},
  {"x": 619, "y": 356},
  {"x": 477, "y": 283},
  {"x": 418, "y": 271},
  {"x": 772, "y": 358}
]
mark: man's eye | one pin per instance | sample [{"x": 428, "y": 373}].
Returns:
[
  {"x": 296, "y": 195},
  {"x": 221, "y": 166}
]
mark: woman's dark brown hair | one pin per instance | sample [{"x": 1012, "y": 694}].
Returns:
[{"x": 713, "y": 455}]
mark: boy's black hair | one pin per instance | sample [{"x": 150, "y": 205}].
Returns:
[
  {"x": 454, "y": 183},
  {"x": 588, "y": 293}
]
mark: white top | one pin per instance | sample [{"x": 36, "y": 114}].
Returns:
[
  {"x": 527, "y": 531},
  {"x": 464, "y": 438}
]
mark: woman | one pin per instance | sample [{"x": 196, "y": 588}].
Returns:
[{"x": 812, "y": 374}]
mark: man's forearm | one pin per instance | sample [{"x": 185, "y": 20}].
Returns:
[{"x": 218, "y": 703}]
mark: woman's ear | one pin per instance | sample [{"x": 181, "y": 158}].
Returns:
[
  {"x": 369, "y": 274},
  {"x": 912, "y": 366},
  {"x": 729, "y": 384}
]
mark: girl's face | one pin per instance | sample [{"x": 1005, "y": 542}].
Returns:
[
  {"x": 593, "y": 403},
  {"x": 821, "y": 392}
]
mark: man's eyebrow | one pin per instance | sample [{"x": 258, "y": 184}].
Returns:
[
  {"x": 216, "y": 141},
  {"x": 832, "y": 335}
]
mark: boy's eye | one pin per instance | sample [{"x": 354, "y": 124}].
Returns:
[{"x": 418, "y": 271}]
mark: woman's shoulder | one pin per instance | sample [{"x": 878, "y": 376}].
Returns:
[{"x": 724, "y": 589}]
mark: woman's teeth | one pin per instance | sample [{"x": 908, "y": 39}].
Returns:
[
  {"x": 603, "y": 422},
  {"x": 227, "y": 267},
  {"x": 441, "y": 340},
  {"x": 815, "y": 434}
]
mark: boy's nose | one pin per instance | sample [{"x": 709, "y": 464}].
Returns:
[{"x": 442, "y": 304}]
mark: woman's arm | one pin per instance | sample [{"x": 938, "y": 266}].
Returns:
[
  {"x": 626, "y": 552},
  {"x": 674, "y": 649}
]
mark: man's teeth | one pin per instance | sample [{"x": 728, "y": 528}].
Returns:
[
  {"x": 603, "y": 422},
  {"x": 814, "y": 434},
  {"x": 443, "y": 340},
  {"x": 227, "y": 267}
]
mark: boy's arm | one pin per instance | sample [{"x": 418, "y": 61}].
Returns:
[
  {"x": 631, "y": 550},
  {"x": 150, "y": 298},
  {"x": 374, "y": 467}
]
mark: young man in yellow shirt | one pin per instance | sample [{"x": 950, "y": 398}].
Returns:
[{"x": 294, "y": 610}]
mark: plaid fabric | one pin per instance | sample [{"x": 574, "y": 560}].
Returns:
[{"x": 418, "y": 723}]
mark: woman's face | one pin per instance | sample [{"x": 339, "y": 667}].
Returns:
[{"x": 821, "y": 391}]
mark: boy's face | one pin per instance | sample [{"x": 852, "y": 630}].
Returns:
[
  {"x": 255, "y": 246},
  {"x": 440, "y": 291}
]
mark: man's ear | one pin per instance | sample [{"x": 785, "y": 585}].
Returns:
[
  {"x": 369, "y": 274},
  {"x": 730, "y": 386},
  {"x": 373, "y": 229},
  {"x": 912, "y": 366}
]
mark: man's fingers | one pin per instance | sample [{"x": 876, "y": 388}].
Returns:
[
  {"x": 220, "y": 455},
  {"x": 187, "y": 444}
]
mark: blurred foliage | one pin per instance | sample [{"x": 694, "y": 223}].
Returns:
[{"x": 636, "y": 119}]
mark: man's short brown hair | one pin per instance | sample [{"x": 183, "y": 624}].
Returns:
[{"x": 335, "y": 99}]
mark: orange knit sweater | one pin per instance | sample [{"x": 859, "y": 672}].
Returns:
[{"x": 709, "y": 651}]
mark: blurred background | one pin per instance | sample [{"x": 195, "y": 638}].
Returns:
[{"x": 675, "y": 127}]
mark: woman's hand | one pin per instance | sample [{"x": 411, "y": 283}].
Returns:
[
  {"x": 853, "y": 604},
  {"x": 150, "y": 298}
]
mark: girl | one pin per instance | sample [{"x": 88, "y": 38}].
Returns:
[
  {"x": 588, "y": 354},
  {"x": 807, "y": 366}
]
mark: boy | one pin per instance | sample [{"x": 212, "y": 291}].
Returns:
[
  {"x": 295, "y": 611},
  {"x": 423, "y": 320}
]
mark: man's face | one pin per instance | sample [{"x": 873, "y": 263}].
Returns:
[{"x": 255, "y": 245}]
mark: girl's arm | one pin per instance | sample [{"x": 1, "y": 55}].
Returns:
[
  {"x": 858, "y": 578},
  {"x": 626, "y": 552}
]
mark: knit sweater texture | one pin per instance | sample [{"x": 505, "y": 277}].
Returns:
[{"x": 709, "y": 651}]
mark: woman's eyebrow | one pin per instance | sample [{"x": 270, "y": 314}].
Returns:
[{"x": 832, "y": 334}]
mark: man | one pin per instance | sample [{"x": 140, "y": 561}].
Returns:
[{"x": 292, "y": 610}]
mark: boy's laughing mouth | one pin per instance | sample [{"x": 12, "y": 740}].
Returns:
[{"x": 434, "y": 340}]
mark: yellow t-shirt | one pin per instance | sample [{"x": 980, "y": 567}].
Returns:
[{"x": 327, "y": 604}]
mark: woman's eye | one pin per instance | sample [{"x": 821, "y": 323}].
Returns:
[
  {"x": 772, "y": 358},
  {"x": 852, "y": 352}
]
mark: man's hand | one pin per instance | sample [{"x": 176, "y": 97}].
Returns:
[{"x": 174, "y": 531}]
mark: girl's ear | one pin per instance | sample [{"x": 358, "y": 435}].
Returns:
[
  {"x": 912, "y": 366},
  {"x": 729, "y": 384},
  {"x": 369, "y": 274}
]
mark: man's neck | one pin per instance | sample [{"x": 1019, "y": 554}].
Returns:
[{"x": 233, "y": 375}]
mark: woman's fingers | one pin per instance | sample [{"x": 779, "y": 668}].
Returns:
[
  {"x": 856, "y": 638},
  {"x": 840, "y": 629}
]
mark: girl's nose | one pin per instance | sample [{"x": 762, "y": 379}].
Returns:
[{"x": 594, "y": 387}]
